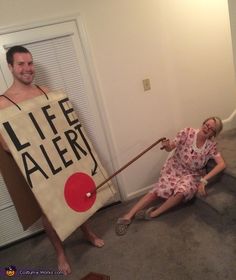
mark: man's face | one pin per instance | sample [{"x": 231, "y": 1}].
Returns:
[{"x": 22, "y": 68}]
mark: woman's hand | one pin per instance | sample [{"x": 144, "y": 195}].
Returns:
[
  {"x": 167, "y": 145},
  {"x": 202, "y": 189}
]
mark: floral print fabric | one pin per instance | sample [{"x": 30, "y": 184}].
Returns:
[{"x": 182, "y": 171}]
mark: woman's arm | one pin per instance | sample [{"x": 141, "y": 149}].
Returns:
[{"x": 220, "y": 165}]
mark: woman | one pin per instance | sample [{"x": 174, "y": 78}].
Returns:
[{"x": 183, "y": 174}]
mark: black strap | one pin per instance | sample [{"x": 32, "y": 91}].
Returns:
[
  {"x": 2, "y": 95},
  {"x": 17, "y": 104},
  {"x": 42, "y": 91}
]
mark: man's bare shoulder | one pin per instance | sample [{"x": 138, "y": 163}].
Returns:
[
  {"x": 18, "y": 95},
  {"x": 45, "y": 89},
  {"x": 4, "y": 102}
]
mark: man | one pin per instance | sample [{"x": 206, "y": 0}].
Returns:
[{"x": 21, "y": 65}]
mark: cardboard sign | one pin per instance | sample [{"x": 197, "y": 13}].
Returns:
[
  {"x": 26, "y": 205},
  {"x": 57, "y": 160}
]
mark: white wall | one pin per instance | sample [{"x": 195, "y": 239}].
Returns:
[
  {"x": 183, "y": 46},
  {"x": 232, "y": 15}
]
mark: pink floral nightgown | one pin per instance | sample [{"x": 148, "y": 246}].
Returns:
[{"x": 182, "y": 171}]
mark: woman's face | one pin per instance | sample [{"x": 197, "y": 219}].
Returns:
[{"x": 209, "y": 128}]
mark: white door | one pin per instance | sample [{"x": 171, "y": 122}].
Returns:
[{"x": 60, "y": 63}]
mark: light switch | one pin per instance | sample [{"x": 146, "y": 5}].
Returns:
[{"x": 146, "y": 84}]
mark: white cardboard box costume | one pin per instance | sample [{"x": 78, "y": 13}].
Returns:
[{"x": 50, "y": 148}]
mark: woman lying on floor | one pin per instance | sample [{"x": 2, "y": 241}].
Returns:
[{"x": 183, "y": 174}]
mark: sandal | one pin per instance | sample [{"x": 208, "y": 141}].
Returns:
[
  {"x": 122, "y": 225},
  {"x": 144, "y": 214}
]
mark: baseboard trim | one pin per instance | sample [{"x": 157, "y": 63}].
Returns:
[{"x": 138, "y": 193}]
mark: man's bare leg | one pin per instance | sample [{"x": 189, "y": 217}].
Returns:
[
  {"x": 91, "y": 236},
  {"x": 63, "y": 264}
]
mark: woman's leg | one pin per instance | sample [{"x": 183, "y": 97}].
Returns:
[
  {"x": 168, "y": 204},
  {"x": 123, "y": 223},
  {"x": 142, "y": 203}
]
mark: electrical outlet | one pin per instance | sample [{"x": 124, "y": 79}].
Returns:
[{"x": 146, "y": 84}]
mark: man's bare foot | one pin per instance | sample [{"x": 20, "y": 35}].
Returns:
[
  {"x": 63, "y": 264},
  {"x": 94, "y": 240}
]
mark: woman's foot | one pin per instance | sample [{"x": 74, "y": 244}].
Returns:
[
  {"x": 122, "y": 225},
  {"x": 145, "y": 214}
]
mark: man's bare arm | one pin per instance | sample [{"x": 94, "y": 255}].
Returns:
[{"x": 4, "y": 144}]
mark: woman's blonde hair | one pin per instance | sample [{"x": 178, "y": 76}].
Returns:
[{"x": 218, "y": 123}]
